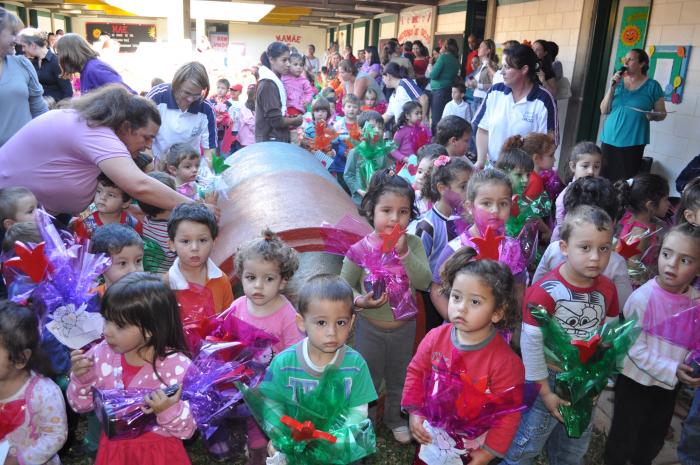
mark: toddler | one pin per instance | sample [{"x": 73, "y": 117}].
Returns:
[
  {"x": 411, "y": 134},
  {"x": 17, "y": 204},
  {"x": 182, "y": 162},
  {"x": 354, "y": 176},
  {"x": 158, "y": 258},
  {"x": 372, "y": 102},
  {"x": 689, "y": 208},
  {"x": 458, "y": 106},
  {"x": 349, "y": 134},
  {"x": 125, "y": 249},
  {"x": 246, "y": 119},
  {"x": 299, "y": 90},
  {"x": 453, "y": 133},
  {"x": 424, "y": 163},
  {"x": 221, "y": 102}
]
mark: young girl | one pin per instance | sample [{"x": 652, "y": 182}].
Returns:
[
  {"x": 645, "y": 392},
  {"x": 355, "y": 176},
  {"x": 298, "y": 88},
  {"x": 385, "y": 342},
  {"x": 411, "y": 135},
  {"x": 246, "y": 119},
  {"x": 586, "y": 160},
  {"x": 372, "y": 102},
  {"x": 489, "y": 202},
  {"x": 264, "y": 266},
  {"x": 221, "y": 101},
  {"x": 182, "y": 162},
  {"x": 26, "y": 393},
  {"x": 144, "y": 348},
  {"x": 645, "y": 202},
  {"x": 689, "y": 208},
  {"x": 481, "y": 299},
  {"x": 425, "y": 157}
]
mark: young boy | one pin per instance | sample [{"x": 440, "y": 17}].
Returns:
[
  {"x": 357, "y": 185},
  {"x": 326, "y": 316},
  {"x": 17, "y": 204},
  {"x": 124, "y": 247},
  {"x": 182, "y": 162},
  {"x": 111, "y": 203},
  {"x": 577, "y": 295},
  {"x": 348, "y": 130},
  {"x": 453, "y": 132},
  {"x": 192, "y": 230},
  {"x": 158, "y": 258},
  {"x": 458, "y": 106}
]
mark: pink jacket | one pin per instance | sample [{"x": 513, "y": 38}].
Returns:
[
  {"x": 406, "y": 143},
  {"x": 175, "y": 421},
  {"x": 299, "y": 91},
  {"x": 246, "y": 126}
]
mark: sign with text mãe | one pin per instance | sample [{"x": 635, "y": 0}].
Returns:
[
  {"x": 289, "y": 39},
  {"x": 416, "y": 25},
  {"x": 129, "y": 36}
]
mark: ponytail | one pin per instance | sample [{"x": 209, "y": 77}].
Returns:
[{"x": 274, "y": 50}]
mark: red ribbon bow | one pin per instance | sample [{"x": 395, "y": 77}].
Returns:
[
  {"x": 306, "y": 431},
  {"x": 389, "y": 240},
  {"x": 11, "y": 416},
  {"x": 586, "y": 349},
  {"x": 488, "y": 245}
]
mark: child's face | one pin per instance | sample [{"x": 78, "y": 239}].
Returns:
[
  {"x": 327, "y": 323},
  {"x": 330, "y": 96},
  {"x": 320, "y": 115},
  {"x": 109, "y": 199},
  {"x": 186, "y": 171},
  {"x": 545, "y": 161},
  {"x": 491, "y": 206},
  {"x": 692, "y": 216},
  {"x": 662, "y": 208},
  {"x": 378, "y": 125},
  {"x": 26, "y": 209},
  {"x": 296, "y": 67},
  {"x": 391, "y": 209},
  {"x": 455, "y": 193},
  {"x": 588, "y": 165},
  {"x": 221, "y": 89},
  {"x": 476, "y": 63},
  {"x": 472, "y": 305},
  {"x": 261, "y": 280},
  {"x": 679, "y": 263},
  {"x": 370, "y": 100},
  {"x": 458, "y": 147},
  {"x": 423, "y": 168},
  {"x": 457, "y": 95},
  {"x": 235, "y": 94},
  {"x": 587, "y": 250},
  {"x": 129, "y": 258},
  {"x": 192, "y": 244},
  {"x": 415, "y": 116},
  {"x": 124, "y": 340},
  {"x": 9, "y": 370},
  {"x": 351, "y": 111},
  {"x": 518, "y": 178}
]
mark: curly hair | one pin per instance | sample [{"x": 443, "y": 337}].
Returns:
[{"x": 269, "y": 248}]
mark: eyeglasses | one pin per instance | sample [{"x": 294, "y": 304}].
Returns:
[{"x": 190, "y": 95}]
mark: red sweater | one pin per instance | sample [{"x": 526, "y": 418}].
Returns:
[{"x": 493, "y": 359}]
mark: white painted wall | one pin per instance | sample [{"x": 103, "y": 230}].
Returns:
[{"x": 256, "y": 38}]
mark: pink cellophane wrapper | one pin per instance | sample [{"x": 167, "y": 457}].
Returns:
[
  {"x": 552, "y": 183},
  {"x": 677, "y": 325},
  {"x": 338, "y": 238},
  {"x": 387, "y": 270},
  {"x": 463, "y": 407},
  {"x": 509, "y": 252}
]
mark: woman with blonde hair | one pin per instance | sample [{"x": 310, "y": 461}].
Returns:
[
  {"x": 36, "y": 48},
  {"x": 76, "y": 55}
]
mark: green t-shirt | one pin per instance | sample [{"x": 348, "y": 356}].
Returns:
[
  {"x": 444, "y": 71},
  {"x": 290, "y": 369},
  {"x": 625, "y": 127}
]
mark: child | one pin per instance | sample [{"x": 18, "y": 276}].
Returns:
[
  {"x": 328, "y": 93},
  {"x": 25, "y": 231},
  {"x": 192, "y": 230},
  {"x": 221, "y": 102},
  {"x": 688, "y": 451},
  {"x": 481, "y": 299},
  {"x": 646, "y": 389},
  {"x": 144, "y": 348},
  {"x": 17, "y": 204},
  {"x": 541, "y": 148},
  {"x": 586, "y": 160},
  {"x": 320, "y": 113},
  {"x": 26, "y": 391},
  {"x": 424, "y": 160},
  {"x": 582, "y": 300},
  {"x": 645, "y": 202},
  {"x": 326, "y": 316},
  {"x": 111, "y": 204},
  {"x": 596, "y": 192},
  {"x": 689, "y": 208},
  {"x": 125, "y": 249},
  {"x": 453, "y": 133},
  {"x": 353, "y": 175},
  {"x": 246, "y": 119},
  {"x": 458, "y": 106},
  {"x": 387, "y": 343},
  {"x": 160, "y": 258},
  {"x": 411, "y": 134},
  {"x": 372, "y": 103},
  {"x": 182, "y": 162},
  {"x": 348, "y": 131},
  {"x": 299, "y": 90}
]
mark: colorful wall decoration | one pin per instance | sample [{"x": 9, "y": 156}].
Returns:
[
  {"x": 633, "y": 31},
  {"x": 668, "y": 65}
]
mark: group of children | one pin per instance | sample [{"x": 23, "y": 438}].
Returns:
[{"x": 609, "y": 254}]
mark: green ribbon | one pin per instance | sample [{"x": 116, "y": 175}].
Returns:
[{"x": 372, "y": 150}]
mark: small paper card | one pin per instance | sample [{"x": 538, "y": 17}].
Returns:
[
  {"x": 442, "y": 450},
  {"x": 650, "y": 112},
  {"x": 4, "y": 450},
  {"x": 75, "y": 328}
]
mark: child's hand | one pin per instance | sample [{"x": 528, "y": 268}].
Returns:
[
  {"x": 80, "y": 364},
  {"x": 401, "y": 245},
  {"x": 553, "y": 402},
  {"x": 367, "y": 301},
  {"x": 415, "y": 423},
  {"x": 480, "y": 457},
  {"x": 683, "y": 373},
  {"x": 157, "y": 402}
]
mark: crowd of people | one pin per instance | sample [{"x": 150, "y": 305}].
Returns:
[{"x": 474, "y": 242}]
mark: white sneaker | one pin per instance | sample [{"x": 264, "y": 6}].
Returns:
[{"x": 402, "y": 434}]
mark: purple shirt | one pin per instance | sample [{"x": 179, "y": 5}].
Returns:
[
  {"x": 96, "y": 73},
  {"x": 56, "y": 156}
]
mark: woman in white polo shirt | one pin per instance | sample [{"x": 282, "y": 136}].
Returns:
[{"x": 519, "y": 105}]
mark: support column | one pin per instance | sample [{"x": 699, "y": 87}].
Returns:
[
  {"x": 179, "y": 21},
  {"x": 199, "y": 29}
]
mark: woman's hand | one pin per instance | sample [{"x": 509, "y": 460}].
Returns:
[
  {"x": 617, "y": 77},
  {"x": 367, "y": 301},
  {"x": 415, "y": 424},
  {"x": 80, "y": 364},
  {"x": 157, "y": 402}
]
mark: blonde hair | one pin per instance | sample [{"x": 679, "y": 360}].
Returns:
[
  {"x": 10, "y": 20},
  {"x": 193, "y": 71},
  {"x": 73, "y": 53}
]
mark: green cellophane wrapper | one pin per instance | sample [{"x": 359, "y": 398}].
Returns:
[
  {"x": 372, "y": 151},
  {"x": 585, "y": 365},
  {"x": 326, "y": 407},
  {"x": 153, "y": 255},
  {"x": 541, "y": 207}
]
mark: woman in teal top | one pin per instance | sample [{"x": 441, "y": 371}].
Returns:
[
  {"x": 629, "y": 107},
  {"x": 442, "y": 77}
]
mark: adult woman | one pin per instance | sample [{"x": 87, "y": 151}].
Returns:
[
  {"x": 271, "y": 99},
  {"x": 420, "y": 62},
  {"x": 629, "y": 107},
  {"x": 442, "y": 76},
  {"x": 59, "y": 155},
  {"x": 333, "y": 67},
  {"x": 392, "y": 54},
  {"x": 20, "y": 91},
  {"x": 187, "y": 117},
  {"x": 45, "y": 63},
  {"x": 484, "y": 76},
  {"x": 405, "y": 90},
  {"x": 348, "y": 55},
  {"x": 75, "y": 55},
  {"x": 545, "y": 72},
  {"x": 347, "y": 77},
  {"x": 370, "y": 75}
]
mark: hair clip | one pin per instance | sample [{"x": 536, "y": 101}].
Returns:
[{"x": 442, "y": 160}]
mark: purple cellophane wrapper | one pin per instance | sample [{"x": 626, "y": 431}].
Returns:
[
  {"x": 552, "y": 183},
  {"x": 386, "y": 267},
  {"x": 459, "y": 405},
  {"x": 120, "y": 414}
]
